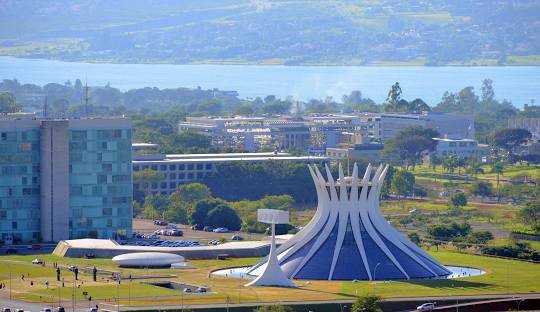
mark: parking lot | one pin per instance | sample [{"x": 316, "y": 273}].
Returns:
[{"x": 147, "y": 226}]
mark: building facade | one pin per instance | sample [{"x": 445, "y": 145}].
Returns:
[
  {"x": 178, "y": 169},
  {"x": 464, "y": 148},
  {"x": 64, "y": 178},
  {"x": 315, "y": 133}
]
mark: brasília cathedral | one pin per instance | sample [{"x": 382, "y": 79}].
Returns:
[{"x": 349, "y": 239}]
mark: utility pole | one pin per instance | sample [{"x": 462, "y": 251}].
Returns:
[{"x": 86, "y": 98}]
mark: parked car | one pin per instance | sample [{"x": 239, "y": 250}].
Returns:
[
  {"x": 187, "y": 290},
  {"x": 171, "y": 226},
  {"x": 202, "y": 290},
  {"x": 46, "y": 310},
  {"x": 34, "y": 247},
  {"x": 174, "y": 233},
  {"x": 428, "y": 306},
  {"x": 93, "y": 309},
  {"x": 37, "y": 261},
  {"x": 19, "y": 310},
  {"x": 197, "y": 227},
  {"x": 213, "y": 242},
  {"x": 221, "y": 230},
  {"x": 160, "y": 222},
  {"x": 208, "y": 228},
  {"x": 60, "y": 309},
  {"x": 237, "y": 238},
  {"x": 6, "y": 310}
]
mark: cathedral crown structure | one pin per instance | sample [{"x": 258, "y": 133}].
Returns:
[{"x": 349, "y": 239}]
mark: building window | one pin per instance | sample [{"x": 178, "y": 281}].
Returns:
[
  {"x": 25, "y": 147},
  {"x": 163, "y": 167},
  {"x": 135, "y": 168},
  {"x": 172, "y": 167},
  {"x": 172, "y": 185},
  {"x": 190, "y": 176},
  {"x": 190, "y": 167},
  {"x": 200, "y": 167},
  {"x": 106, "y": 167},
  {"x": 199, "y": 175},
  {"x": 208, "y": 166},
  {"x": 154, "y": 167},
  {"x": 14, "y": 225},
  {"x": 181, "y": 176},
  {"x": 78, "y": 135},
  {"x": 181, "y": 167},
  {"x": 163, "y": 185},
  {"x": 172, "y": 176}
]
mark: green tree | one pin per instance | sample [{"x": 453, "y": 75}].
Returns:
[
  {"x": 199, "y": 215},
  {"x": 450, "y": 163},
  {"x": 480, "y": 237},
  {"x": 510, "y": 139},
  {"x": 488, "y": 94},
  {"x": 530, "y": 213},
  {"x": 177, "y": 212},
  {"x": 8, "y": 103},
  {"x": 410, "y": 143},
  {"x": 498, "y": 168},
  {"x": 191, "y": 193},
  {"x": 418, "y": 106},
  {"x": 224, "y": 216},
  {"x": 415, "y": 238},
  {"x": 482, "y": 189},
  {"x": 403, "y": 183},
  {"x": 274, "y": 308},
  {"x": 144, "y": 178},
  {"x": 458, "y": 200},
  {"x": 393, "y": 98},
  {"x": 474, "y": 167},
  {"x": 368, "y": 303},
  {"x": 435, "y": 161}
]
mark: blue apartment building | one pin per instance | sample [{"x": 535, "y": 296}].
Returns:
[{"x": 64, "y": 178}]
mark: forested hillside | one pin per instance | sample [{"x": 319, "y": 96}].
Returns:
[{"x": 274, "y": 32}]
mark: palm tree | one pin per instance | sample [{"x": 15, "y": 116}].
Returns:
[
  {"x": 498, "y": 168},
  {"x": 450, "y": 163},
  {"x": 474, "y": 167}
]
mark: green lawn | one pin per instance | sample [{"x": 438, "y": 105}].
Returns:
[{"x": 503, "y": 276}]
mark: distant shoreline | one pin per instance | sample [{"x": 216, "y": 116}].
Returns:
[{"x": 270, "y": 63}]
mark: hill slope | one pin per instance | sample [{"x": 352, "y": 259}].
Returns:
[{"x": 274, "y": 32}]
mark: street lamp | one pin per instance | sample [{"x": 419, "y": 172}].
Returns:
[{"x": 374, "y": 275}]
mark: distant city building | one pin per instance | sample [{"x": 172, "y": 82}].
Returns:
[
  {"x": 178, "y": 169},
  {"x": 530, "y": 124},
  {"x": 316, "y": 133},
  {"x": 371, "y": 152},
  {"x": 64, "y": 178},
  {"x": 250, "y": 133},
  {"x": 464, "y": 148}
]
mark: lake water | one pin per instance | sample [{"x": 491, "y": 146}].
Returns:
[{"x": 517, "y": 84}]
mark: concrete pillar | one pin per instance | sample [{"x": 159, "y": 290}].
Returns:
[{"x": 55, "y": 180}]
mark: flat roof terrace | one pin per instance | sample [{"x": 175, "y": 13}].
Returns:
[{"x": 103, "y": 248}]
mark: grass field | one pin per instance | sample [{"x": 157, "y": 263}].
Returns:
[{"x": 503, "y": 276}]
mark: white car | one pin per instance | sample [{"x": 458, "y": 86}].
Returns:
[
  {"x": 221, "y": 230},
  {"x": 37, "y": 261},
  {"x": 428, "y": 306}
]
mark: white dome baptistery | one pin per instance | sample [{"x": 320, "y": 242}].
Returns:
[{"x": 147, "y": 259}]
